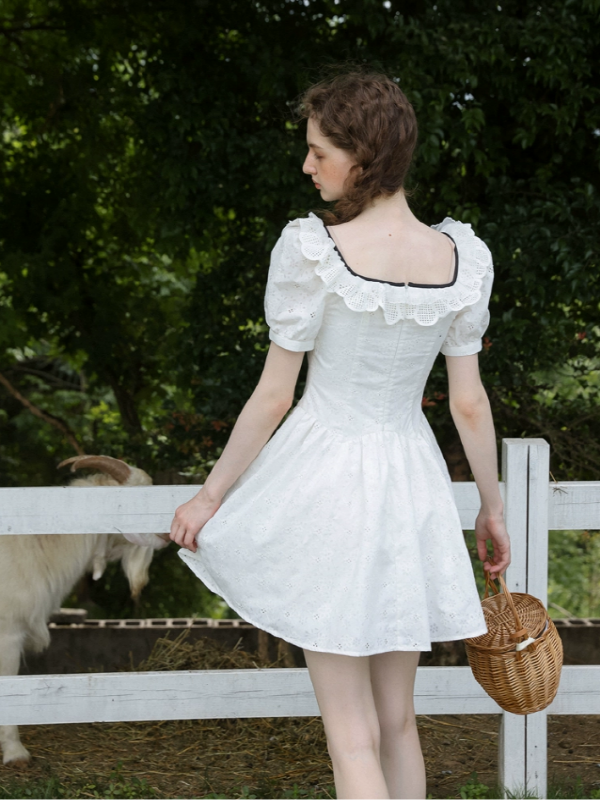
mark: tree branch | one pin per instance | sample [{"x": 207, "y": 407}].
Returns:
[
  {"x": 45, "y": 415},
  {"x": 4, "y": 29}
]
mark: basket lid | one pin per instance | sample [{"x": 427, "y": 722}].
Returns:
[{"x": 510, "y": 617}]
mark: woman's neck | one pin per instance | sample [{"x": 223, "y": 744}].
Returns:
[{"x": 388, "y": 209}]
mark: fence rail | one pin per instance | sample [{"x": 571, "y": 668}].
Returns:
[
  {"x": 532, "y": 507},
  {"x": 149, "y": 509},
  {"x": 128, "y": 509},
  {"x": 244, "y": 693}
]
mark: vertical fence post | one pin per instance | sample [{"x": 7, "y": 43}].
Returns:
[
  {"x": 522, "y": 756},
  {"x": 511, "y": 739}
]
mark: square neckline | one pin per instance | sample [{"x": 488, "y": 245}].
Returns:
[{"x": 404, "y": 283}]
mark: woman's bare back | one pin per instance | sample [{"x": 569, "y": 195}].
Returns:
[{"x": 395, "y": 251}]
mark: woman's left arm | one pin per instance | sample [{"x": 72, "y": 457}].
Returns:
[
  {"x": 472, "y": 416},
  {"x": 268, "y": 404}
]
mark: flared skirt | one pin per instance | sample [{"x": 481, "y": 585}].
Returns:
[{"x": 350, "y": 546}]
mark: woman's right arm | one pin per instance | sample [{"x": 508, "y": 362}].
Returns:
[
  {"x": 263, "y": 412},
  {"x": 470, "y": 409}
]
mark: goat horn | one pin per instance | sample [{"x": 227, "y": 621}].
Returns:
[{"x": 114, "y": 467}]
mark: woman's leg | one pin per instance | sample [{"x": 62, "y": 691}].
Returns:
[
  {"x": 393, "y": 680},
  {"x": 343, "y": 688}
]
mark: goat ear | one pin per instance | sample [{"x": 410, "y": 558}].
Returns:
[
  {"x": 99, "y": 565},
  {"x": 99, "y": 558},
  {"x": 136, "y": 562}
]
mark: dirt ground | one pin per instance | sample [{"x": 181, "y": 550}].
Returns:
[
  {"x": 189, "y": 759},
  {"x": 192, "y": 759}
]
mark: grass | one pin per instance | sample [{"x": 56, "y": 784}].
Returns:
[
  {"x": 473, "y": 789},
  {"x": 572, "y": 791},
  {"x": 263, "y": 792},
  {"x": 115, "y": 787},
  {"x": 132, "y": 789}
]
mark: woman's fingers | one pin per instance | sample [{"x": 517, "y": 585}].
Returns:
[
  {"x": 184, "y": 537},
  {"x": 497, "y": 563},
  {"x": 482, "y": 549},
  {"x": 501, "y": 558},
  {"x": 184, "y": 530},
  {"x": 178, "y": 528},
  {"x": 501, "y": 554},
  {"x": 189, "y": 540},
  {"x": 176, "y": 532},
  {"x": 486, "y": 531},
  {"x": 189, "y": 520}
]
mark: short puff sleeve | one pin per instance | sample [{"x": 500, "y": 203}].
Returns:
[
  {"x": 470, "y": 323},
  {"x": 295, "y": 295}
]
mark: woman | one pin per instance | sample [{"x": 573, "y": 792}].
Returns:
[{"x": 340, "y": 533}]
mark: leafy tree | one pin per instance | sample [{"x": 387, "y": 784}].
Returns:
[
  {"x": 149, "y": 162},
  {"x": 150, "y": 158}
]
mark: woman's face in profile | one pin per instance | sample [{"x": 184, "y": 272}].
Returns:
[{"x": 327, "y": 164}]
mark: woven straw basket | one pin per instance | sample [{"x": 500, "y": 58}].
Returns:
[{"x": 518, "y": 661}]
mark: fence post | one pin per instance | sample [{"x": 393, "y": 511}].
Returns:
[{"x": 522, "y": 756}]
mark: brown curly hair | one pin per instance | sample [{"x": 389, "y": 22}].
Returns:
[{"x": 367, "y": 114}]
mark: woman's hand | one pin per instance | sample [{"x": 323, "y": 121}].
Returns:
[
  {"x": 492, "y": 526},
  {"x": 190, "y": 518}
]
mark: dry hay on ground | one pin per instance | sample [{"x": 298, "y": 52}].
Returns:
[{"x": 269, "y": 756}]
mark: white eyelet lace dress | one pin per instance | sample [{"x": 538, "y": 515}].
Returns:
[{"x": 343, "y": 535}]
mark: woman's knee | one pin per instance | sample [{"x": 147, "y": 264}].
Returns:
[
  {"x": 397, "y": 725},
  {"x": 354, "y": 742}
]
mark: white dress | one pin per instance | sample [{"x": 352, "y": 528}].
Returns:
[{"x": 343, "y": 535}]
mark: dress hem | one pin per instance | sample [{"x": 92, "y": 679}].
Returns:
[{"x": 187, "y": 557}]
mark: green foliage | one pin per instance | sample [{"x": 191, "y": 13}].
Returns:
[
  {"x": 149, "y": 162},
  {"x": 142, "y": 197},
  {"x": 473, "y": 788},
  {"x": 574, "y": 573},
  {"x": 116, "y": 787},
  {"x": 296, "y": 792},
  {"x": 16, "y": 788},
  {"x": 569, "y": 790},
  {"x": 119, "y": 787}
]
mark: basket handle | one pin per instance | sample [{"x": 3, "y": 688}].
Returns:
[
  {"x": 489, "y": 582},
  {"x": 520, "y": 632}
]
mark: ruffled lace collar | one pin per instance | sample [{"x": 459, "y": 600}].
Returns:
[{"x": 423, "y": 304}]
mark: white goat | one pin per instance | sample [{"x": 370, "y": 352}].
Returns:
[{"x": 38, "y": 571}]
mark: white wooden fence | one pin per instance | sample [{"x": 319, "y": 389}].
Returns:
[{"x": 532, "y": 505}]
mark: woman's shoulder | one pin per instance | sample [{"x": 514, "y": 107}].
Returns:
[
  {"x": 306, "y": 236},
  {"x": 311, "y": 230},
  {"x": 307, "y": 254},
  {"x": 299, "y": 224},
  {"x": 463, "y": 233},
  {"x": 309, "y": 239},
  {"x": 300, "y": 251}
]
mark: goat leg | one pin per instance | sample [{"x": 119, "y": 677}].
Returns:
[{"x": 10, "y": 656}]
